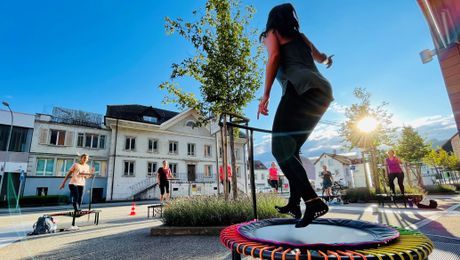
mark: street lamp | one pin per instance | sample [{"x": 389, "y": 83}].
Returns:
[{"x": 7, "y": 144}]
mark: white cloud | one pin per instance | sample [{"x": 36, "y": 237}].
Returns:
[{"x": 337, "y": 108}]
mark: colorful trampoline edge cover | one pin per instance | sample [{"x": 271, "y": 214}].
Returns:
[{"x": 325, "y": 238}]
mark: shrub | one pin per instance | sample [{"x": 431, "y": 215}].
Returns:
[
  {"x": 440, "y": 189},
  {"x": 43, "y": 200},
  {"x": 215, "y": 211},
  {"x": 361, "y": 194}
]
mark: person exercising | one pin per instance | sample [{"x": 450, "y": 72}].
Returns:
[
  {"x": 306, "y": 95},
  {"x": 78, "y": 174},
  {"x": 393, "y": 165},
  {"x": 163, "y": 176},
  {"x": 327, "y": 182},
  {"x": 274, "y": 177}
]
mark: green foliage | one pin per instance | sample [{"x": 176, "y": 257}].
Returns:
[
  {"x": 441, "y": 189},
  {"x": 440, "y": 158},
  {"x": 215, "y": 211},
  {"x": 359, "y": 194},
  {"x": 411, "y": 147},
  {"x": 354, "y": 137},
  {"x": 224, "y": 63}
]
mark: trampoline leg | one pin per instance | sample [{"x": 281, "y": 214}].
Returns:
[
  {"x": 235, "y": 255},
  {"x": 73, "y": 218}
]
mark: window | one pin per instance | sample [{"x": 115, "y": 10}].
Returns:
[
  {"x": 207, "y": 151},
  {"x": 336, "y": 172},
  {"x": 151, "y": 168},
  {"x": 173, "y": 147},
  {"x": 153, "y": 145},
  {"x": 80, "y": 139},
  {"x": 190, "y": 123},
  {"x": 88, "y": 140},
  {"x": 19, "y": 141},
  {"x": 208, "y": 171},
  {"x": 238, "y": 172},
  {"x": 220, "y": 152},
  {"x": 102, "y": 142},
  {"x": 42, "y": 191},
  {"x": 150, "y": 119},
  {"x": 173, "y": 167},
  {"x": 100, "y": 167},
  {"x": 130, "y": 143},
  {"x": 129, "y": 168},
  {"x": 191, "y": 149},
  {"x": 64, "y": 165},
  {"x": 237, "y": 154},
  {"x": 57, "y": 137},
  {"x": 45, "y": 167}
]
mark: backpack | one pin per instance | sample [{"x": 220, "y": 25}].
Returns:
[
  {"x": 44, "y": 225},
  {"x": 432, "y": 204}
]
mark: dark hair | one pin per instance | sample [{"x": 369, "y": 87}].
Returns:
[{"x": 283, "y": 19}]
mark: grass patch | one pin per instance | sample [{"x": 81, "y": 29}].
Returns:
[{"x": 215, "y": 211}]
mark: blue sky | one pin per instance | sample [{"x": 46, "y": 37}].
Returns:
[{"x": 87, "y": 54}]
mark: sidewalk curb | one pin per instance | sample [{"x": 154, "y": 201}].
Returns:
[{"x": 185, "y": 231}]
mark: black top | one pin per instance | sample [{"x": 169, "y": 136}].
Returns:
[
  {"x": 327, "y": 176},
  {"x": 298, "y": 68},
  {"x": 163, "y": 174}
]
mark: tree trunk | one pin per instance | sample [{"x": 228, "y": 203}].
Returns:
[
  {"x": 408, "y": 171},
  {"x": 224, "y": 157},
  {"x": 374, "y": 171},
  {"x": 232, "y": 154},
  {"x": 368, "y": 185}
]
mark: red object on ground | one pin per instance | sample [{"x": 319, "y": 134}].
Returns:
[{"x": 133, "y": 210}]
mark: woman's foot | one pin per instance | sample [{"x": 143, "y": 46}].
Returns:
[
  {"x": 315, "y": 208},
  {"x": 291, "y": 210}
]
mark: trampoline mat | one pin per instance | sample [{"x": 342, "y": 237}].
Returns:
[{"x": 324, "y": 232}]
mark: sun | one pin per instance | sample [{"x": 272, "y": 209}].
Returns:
[{"x": 367, "y": 124}]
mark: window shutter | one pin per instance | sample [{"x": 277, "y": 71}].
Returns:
[
  {"x": 68, "y": 138},
  {"x": 43, "y": 138}
]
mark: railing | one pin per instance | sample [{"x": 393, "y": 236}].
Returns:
[{"x": 142, "y": 185}]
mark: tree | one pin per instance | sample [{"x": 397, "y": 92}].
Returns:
[
  {"x": 224, "y": 64},
  {"x": 355, "y": 138},
  {"x": 412, "y": 149}
]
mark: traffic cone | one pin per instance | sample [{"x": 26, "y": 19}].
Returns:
[{"x": 133, "y": 209}]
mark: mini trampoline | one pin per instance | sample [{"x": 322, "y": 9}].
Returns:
[{"x": 324, "y": 239}]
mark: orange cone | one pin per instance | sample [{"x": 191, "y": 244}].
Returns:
[{"x": 133, "y": 210}]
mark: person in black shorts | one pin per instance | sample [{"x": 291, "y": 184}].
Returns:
[{"x": 163, "y": 176}]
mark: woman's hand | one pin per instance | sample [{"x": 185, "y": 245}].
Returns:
[
  {"x": 328, "y": 61},
  {"x": 263, "y": 106},
  {"x": 62, "y": 186}
]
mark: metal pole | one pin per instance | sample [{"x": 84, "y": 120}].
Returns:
[
  {"x": 7, "y": 145},
  {"x": 224, "y": 159},
  {"x": 251, "y": 165}
]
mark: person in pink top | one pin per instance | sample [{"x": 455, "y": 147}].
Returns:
[
  {"x": 78, "y": 174},
  {"x": 273, "y": 177},
  {"x": 393, "y": 164}
]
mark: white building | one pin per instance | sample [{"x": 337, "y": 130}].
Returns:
[
  {"x": 15, "y": 161},
  {"x": 145, "y": 136},
  {"x": 347, "y": 170},
  {"x": 57, "y": 142}
]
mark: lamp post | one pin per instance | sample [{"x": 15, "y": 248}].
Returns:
[{"x": 7, "y": 144}]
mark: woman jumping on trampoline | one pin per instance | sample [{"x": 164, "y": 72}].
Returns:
[
  {"x": 306, "y": 95},
  {"x": 78, "y": 174}
]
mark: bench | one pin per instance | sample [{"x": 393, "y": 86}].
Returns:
[
  {"x": 80, "y": 214},
  {"x": 382, "y": 198},
  {"x": 156, "y": 209}
]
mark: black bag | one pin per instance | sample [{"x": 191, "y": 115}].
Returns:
[
  {"x": 44, "y": 225},
  {"x": 433, "y": 204}
]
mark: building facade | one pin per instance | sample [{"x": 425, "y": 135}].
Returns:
[
  {"x": 145, "y": 136},
  {"x": 57, "y": 142},
  {"x": 15, "y": 161},
  {"x": 348, "y": 171}
]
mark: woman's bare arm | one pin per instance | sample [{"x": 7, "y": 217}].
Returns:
[
  {"x": 271, "y": 41},
  {"x": 66, "y": 177}
]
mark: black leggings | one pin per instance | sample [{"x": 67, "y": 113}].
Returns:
[
  {"x": 164, "y": 187},
  {"x": 295, "y": 119},
  {"x": 391, "y": 179},
  {"x": 76, "y": 193}
]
